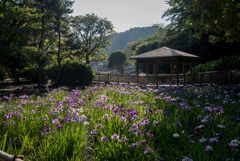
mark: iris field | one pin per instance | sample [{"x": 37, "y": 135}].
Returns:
[{"x": 121, "y": 122}]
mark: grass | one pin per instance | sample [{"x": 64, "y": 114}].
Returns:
[{"x": 120, "y": 122}]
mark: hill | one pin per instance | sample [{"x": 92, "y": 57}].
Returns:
[{"x": 123, "y": 38}]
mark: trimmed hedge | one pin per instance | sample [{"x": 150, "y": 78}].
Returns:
[{"x": 72, "y": 74}]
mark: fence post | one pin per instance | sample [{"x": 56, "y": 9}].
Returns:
[
  {"x": 128, "y": 79},
  {"x": 99, "y": 77},
  {"x": 108, "y": 78}
]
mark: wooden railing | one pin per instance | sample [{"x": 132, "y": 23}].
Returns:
[
  {"x": 199, "y": 78},
  {"x": 132, "y": 78},
  {"x": 214, "y": 77}
]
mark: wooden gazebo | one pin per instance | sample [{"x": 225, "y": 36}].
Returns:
[{"x": 164, "y": 55}]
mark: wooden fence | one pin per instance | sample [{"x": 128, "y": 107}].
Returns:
[
  {"x": 7, "y": 157},
  {"x": 227, "y": 76},
  {"x": 199, "y": 78}
]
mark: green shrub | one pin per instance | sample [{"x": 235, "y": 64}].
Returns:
[
  {"x": 2, "y": 75},
  {"x": 29, "y": 74},
  {"x": 232, "y": 63},
  {"x": 72, "y": 74}
]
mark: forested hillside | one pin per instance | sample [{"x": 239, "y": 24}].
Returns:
[{"x": 123, "y": 38}]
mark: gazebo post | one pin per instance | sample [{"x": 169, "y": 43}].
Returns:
[
  {"x": 146, "y": 73},
  {"x": 177, "y": 73},
  {"x": 191, "y": 76},
  {"x": 156, "y": 75},
  {"x": 171, "y": 73},
  {"x": 183, "y": 73},
  {"x": 154, "y": 72},
  {"x": 190, "y": 67},
  {"x": 137, "y": 71}
]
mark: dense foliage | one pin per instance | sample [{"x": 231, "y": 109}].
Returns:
[
  {"x": 73, "y": 74},
  {"x": 221, "y": 64},
  {"x": 119, "y": 122},
  {"x": 218, "y": 19},
  {"x": 93, "y": 34},
  {"x": 38, "y": 33}
]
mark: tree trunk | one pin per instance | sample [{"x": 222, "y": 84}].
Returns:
[
  {"x": 40, "y": 71},
  {"x": 58, "y": 57},
  {"x": 58, "y": 73},
  {"x": 87, "y": 59},
  {"x": 202, "y": 16},
  {"x": 40, "y": 49},
  {"x": 122, "y": 70}
]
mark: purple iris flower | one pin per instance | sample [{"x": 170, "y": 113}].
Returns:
[
  {"x": 209, "y": 148},
  {"x": 94, "y": 132},
  {"x": 123, "y": 139},
  {"x": 106, "y": 116},
  {"x": 187, "y": 159},
  {"x": 212, "y": 140},
  {"x": 221, "y": 126},
  {"x": 147, "y": 150},
  {"x": 99, "y": 126},
  {"x": 131, "y": 146},
  {"x": 202, "y": 140},
  {"x": 104, "y": 139},
  {"x": 143, "y": 141},
  {"x": 115, "y": 136},
  {"x": 199, "y": 127}
]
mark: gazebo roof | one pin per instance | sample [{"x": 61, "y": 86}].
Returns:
[{"x": 163, "y": 52}]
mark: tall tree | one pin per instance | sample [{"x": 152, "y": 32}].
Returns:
[
  {"x": 16, "y": 19},
  {"x": 62, "y": 9},
  {"x": 117, "y": 60},
  {"x": 42, "y": 38},
  {"x": 94, "y": 34}
]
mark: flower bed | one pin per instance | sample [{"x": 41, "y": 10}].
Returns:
[{"x": 120, "y": 122}]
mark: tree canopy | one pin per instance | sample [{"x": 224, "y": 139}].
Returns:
[
  {"x": 93, "y": 35},
  {"x": 219, "y": 19},
  {"x": 38, "y": 34}
]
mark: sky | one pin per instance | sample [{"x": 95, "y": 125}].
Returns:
[{"x": 124, "y": 14}]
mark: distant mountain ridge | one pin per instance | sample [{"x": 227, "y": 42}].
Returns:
[{"x": 123, "y": 38}]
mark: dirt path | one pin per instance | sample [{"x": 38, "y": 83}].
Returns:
[{"x": 9, "y": 87}]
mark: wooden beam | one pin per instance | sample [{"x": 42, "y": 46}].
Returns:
[
  {"x": 146, "y": 73},
  {"x": 154, "y": 69},
  {"x": 177, "y": 74},
  {"x": 137, "y": 71},
  {"x": 156, "y": 75},
  {"x": 171, "y": 73},
  {"x": 183, "y": 74},
  {"x": 190, "y": 64}
]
